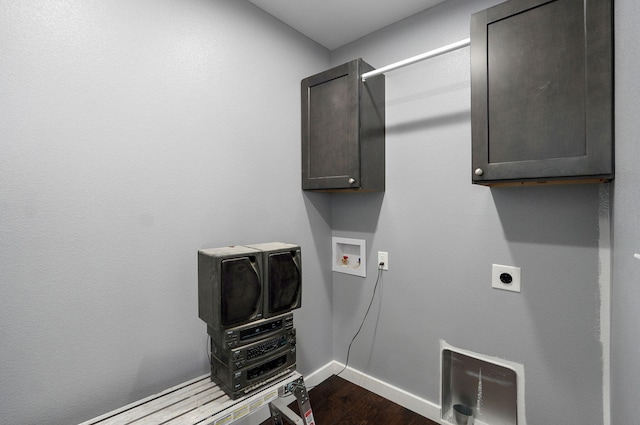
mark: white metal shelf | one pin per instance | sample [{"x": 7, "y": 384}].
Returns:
[{"x": 198, "y": 401}]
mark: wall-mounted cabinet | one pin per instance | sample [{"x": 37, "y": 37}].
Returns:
[
  {"x": 343, "y": 130},
  {"x": 542, "y": 92}
]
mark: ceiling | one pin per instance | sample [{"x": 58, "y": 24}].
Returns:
[{"x": 334, "y": 23}]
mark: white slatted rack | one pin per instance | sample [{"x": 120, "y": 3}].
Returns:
[{"x": 199, "y": 401}]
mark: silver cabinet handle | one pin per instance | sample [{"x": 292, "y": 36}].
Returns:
[
  {"x": 478, "y": 172},
  {"x": 352, "y": 180}
]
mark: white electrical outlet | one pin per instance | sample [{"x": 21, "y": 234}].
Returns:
[
  {"x": 383, "y": 257},
  {"x": 505, "y": 277}
]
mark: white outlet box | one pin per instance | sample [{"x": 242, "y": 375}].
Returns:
[
  {"x": 505, "y": 277},
  {"x": 383, "y": 257}
]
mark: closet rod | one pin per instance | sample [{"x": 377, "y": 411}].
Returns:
[{"x": 430, "y": 54}]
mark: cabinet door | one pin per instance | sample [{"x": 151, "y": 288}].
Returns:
[
  {"x": 542, "y": 91},
  {"x": 330, "y": 129}
]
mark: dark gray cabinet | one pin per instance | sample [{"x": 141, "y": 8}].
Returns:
[
  {"x": 542, "y": 92},
  {"x": 343, "y": 130}
]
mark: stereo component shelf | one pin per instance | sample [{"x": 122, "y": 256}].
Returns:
[{"x": 200, "y": 401}]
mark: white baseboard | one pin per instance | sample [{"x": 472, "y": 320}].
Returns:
[
  {"x": 316, "y": 377},
  {"x": 412, "y": 402}
]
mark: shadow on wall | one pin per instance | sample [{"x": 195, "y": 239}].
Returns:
[
  {"x": 549, "y": 214},
  {"x": 428, "y": 94},
  {"x": 430, "y": 122},
  {"x": 360, "y": 212},
  {"x": 318, "y": 206}
]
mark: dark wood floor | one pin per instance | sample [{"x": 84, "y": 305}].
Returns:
[{"x": 337, "y": 401}]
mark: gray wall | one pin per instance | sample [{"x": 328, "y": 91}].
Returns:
[
  {"x": 443, "y": 233},
  {"x": 124, "y": 125},
  {"x": 133, "y": 134},
  {"x": 625, "y": 367}
]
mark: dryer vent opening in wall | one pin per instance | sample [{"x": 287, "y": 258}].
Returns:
[{"x": 484, "y": 387}]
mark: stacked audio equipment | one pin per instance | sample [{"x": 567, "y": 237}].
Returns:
[{"x": 246, "y": 295}]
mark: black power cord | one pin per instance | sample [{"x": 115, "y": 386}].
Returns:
[{"x": 346, "y": 363}]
